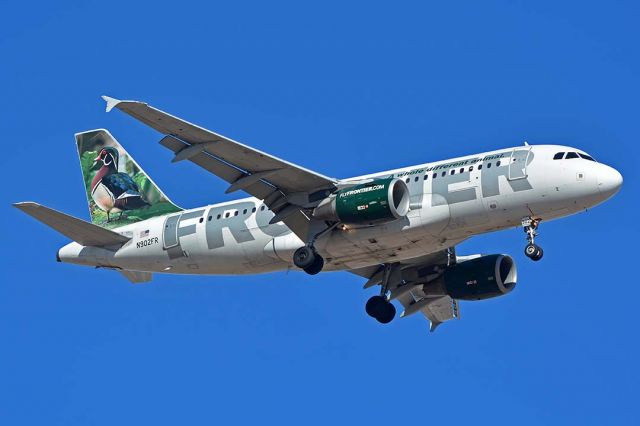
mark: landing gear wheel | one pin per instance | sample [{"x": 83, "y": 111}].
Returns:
[
  {"x": 538, "y": 255},
  {"x": 378, "y": 308},
  {"x": 530, "y": 250},
  {"x": 375, "y": 305},
  {"x": 387, "y": 314},
  {"x": 304, "y": 257},
  {"x": 533, "y": 252},
  {"x": 308, "y": 260},
  {"x": 316, "y": 266}
]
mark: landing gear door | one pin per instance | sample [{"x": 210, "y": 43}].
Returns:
[
  {"x": 170, "y": 231},
  {"x": 518, "y": 163}
]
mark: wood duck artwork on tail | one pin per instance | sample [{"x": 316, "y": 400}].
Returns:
[{"x": 113, "y": 191}]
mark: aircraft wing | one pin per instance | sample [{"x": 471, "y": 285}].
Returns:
[
  {"x": 285, "y": 188},
  {"x": 406, "y": 280}
]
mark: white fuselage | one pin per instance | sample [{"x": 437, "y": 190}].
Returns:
[{"x": 462, "y": 200}]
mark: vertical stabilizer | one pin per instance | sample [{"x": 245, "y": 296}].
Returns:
[{"x": 119, "y": 192}]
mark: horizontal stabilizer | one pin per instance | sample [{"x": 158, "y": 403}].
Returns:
[{"x": 78, "y": 230}]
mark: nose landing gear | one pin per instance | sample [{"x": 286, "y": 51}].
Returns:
[{"x": 532, "y": 250}]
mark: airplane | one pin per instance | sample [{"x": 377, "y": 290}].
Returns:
[{"x": 397, "y": 229}]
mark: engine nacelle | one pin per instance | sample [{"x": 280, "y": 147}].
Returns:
[
  {"x": 481, "y": 278},
  {"x": 381, "y": 200}
]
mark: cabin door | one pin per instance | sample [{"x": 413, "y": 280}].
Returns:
[
  {"x": 518, "y": 163},
  {"x": 170, "y": 231}
]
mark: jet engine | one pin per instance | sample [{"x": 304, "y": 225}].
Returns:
[
  {"x": 481, "y": 277},
  {"x": 378, "y": 201}
]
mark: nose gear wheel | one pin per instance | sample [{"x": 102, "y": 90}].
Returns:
[{"x": 532, "y": 250}]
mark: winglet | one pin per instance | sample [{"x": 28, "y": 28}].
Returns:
[{"x": 111, "y": 102}]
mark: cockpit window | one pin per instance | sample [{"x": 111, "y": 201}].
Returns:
[
  {"x": 558, "y": 156},
  {"x": 571, "y": 155},
  {"x": 586, "y": 157}
]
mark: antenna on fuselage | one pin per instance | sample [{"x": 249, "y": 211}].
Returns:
[{"x": 526, "y": 143}]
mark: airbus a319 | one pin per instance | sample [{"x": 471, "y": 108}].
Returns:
[{"x": 397, "y": 229}]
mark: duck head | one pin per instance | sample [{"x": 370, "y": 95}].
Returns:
[{"x": 108, "y": 157}]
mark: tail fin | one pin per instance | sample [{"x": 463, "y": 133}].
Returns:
[{"x": 119, "y": 192}]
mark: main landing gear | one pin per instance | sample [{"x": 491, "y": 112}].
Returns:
[
  {"x": 379, "y": 307},
  {"x": 308, "y": 260},
  {"x": 532, "y": 251}
]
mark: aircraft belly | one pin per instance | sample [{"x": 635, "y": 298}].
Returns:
[
  {"x": 254, "y": 250},
  {"x": 467, "y": 217}
]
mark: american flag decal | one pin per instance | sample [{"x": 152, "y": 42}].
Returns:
[{"x": 144, "y": 233}]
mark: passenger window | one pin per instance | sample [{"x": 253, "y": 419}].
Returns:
[
  {"x": 253, "y": 210},
  {"x": 586, "y": 157},
  {"x": 236, "y": 213},
  {"x": 210, "y": 217},
  {"x": 488, "y": 165},
  {"x": 407, "y": 180},
  {"x": 444, "y": 173},
  {"x": 470, "y": 168},
  {"x": 201, "y": 219},
  {"x": 219, "y": 216},
  {"x": 435, "y": 175},
  {"x": 453, "y": 172},
  {"x": 261, "y": 208},
  {"x": 498, "y": 164},
  {"x": 571, "y": 155},
  {"x": 558, "y": 156},
  {"x": 462, "y": 170},
  {"x": 479, "y": 166},
  {"x": 227, "y": 214},
  {"x": 425, "y": 177},
  {"x": 244, "y": 211},
  {"x": 416, "y": 179}
]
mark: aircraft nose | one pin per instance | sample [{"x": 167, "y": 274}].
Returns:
[{"x": 609, "y": 181}]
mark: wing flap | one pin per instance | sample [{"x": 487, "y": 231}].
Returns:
[
  {"x": 407, "y": 287},
  {"x": 76, "y": 229},
  {"x": 436, "y": 309},
  {"x": 136, "y": 277},
  {"x": 218, "y": 167}
]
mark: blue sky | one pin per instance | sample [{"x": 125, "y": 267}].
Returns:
[{"x": 344, "y": 89}]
